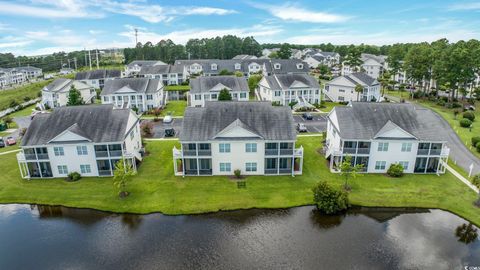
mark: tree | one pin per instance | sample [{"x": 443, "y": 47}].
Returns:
[
  {"x": 395, "y": 58},
  {"x": 358, "y": 89},
  {"x": 224, "y": 95},
  {"x": 253, "y": 81},
  {"x": 347, "y": 170},
  {"x": 285, "y": 51},
  {"x": 353, "y": 59},
  {"x": 224, "y": 72},
  {"x": 273, "y": 55},
  {"x": 238, "y": 74},
  {"x": 418, "y": 63},
  {"x": 74, "y": 97},
  {"x": 323, "y": 69},
  {"x": 328, "y": 199},
  {"x": 122, "y": 175}
]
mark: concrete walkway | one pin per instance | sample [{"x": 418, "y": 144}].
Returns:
[
  {"x": 9, "y": 152},
  {"x": 461, "y": 178}
]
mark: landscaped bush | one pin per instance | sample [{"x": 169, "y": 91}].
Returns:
[
  {"x": 395, "y": 170},
  {"x": 146, "y": 129},
  {"x": 476, "y": 180},
  {"x": 237, "y": 173},
  {"x": 465, "y": 123},
  {"x": 328, "y": 199},
  {"x": 73, "y": 176},
  {"x": 477, "y": 146},
  {"x": 475, "y": 140},
  {"x": 441, "y": 103},
  {"x": 469, "y": 115}
]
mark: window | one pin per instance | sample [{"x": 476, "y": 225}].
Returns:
[
  {"x": 149, "y": 97},
  {"x": 251, "y": 166},
  {"x": 105, "y": 99},
  {"x": 299, "y": 66},
  {"x": 277, "y": 93},
  {"x": 380, "y": 165},
  {"x": 404, "y": 164},
  {"x": 132, "y": 97},
  {"x": 132, "y": 135},
  {"x": 340, "y": 98},
  {"x": 82, "y": 150},
  {"x": 341, "y": 90},
  {"x": 198, "y": 97},
  {"x": 120, "y": 98},
  {"x": 243, "y": 95},
  {"x": 214, "y": 66},
  {"x": 277, "y": 66},
  {"x": 406, "y": 147},
  {"x": 58, "y": 151},
  {"x": 85, "y": 169},
  {"x": 224, "y": 148},
  {"x": 62, "y": 169},
  {"x": 382, "y": 146},
  {"x": 237, "y": 66},
  {"x": 214, "y": 96},
  {"x": 251, "y": 147},
  {"x": 225, "y": 167}
]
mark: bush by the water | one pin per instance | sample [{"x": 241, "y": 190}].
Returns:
[
  {"x": 477, "y": 146},
  {"x": 469, "y": 115},
  {"x": 465, "y": 123},
  {"x": 475, "y": 140},
  {"x": 328, "y": 199},
  {"x": 73, "y": 176},
  {"x": 395, "y": 170}
]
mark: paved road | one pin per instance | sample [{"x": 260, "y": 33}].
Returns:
[{"x": 318, "y": 124}]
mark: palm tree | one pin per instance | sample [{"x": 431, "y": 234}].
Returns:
[{"x": 358, "y": 89}]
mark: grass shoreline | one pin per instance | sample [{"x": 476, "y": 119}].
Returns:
[{"x": 156, "y": 190}]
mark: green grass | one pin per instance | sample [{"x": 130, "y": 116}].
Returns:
[
  {"x": 18, "y": 94},
  {"x": 8, "y": 148},
  {"x": 175, "y": 107},
  {"x": 329, "y": 106},
  {"x": 156, "y": 189},
  {"x": 27, "y": 111},
  {"x": 177, "y": 87}
]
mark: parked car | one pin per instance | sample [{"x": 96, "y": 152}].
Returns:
[
  {"x": 301, "y": 127},
  {"x": 169, "y": 132},
  {"x": 167, "y": 119},
  {"x": 2, "y": 143},
  {"x": 307, "y": 116},
  {"x": 11, "y": 141}
]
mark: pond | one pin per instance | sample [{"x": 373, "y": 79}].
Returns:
[{"x": 46, "y": 237}]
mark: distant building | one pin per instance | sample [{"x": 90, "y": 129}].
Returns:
[
  {"x": 244, "y": 57},
  {"x": 55, "y": 94},
  {"x": 342, "y": 89},
  {"x": 287, "y": 88},
  {"x": 97, "y": 78},
  {"x": 66, "y": 71},
  {"x": 134, "y": 67},
  {"x": 203, "y": 89},
  {"x": 89, "y": 140},
  {"x": 141, "y": 93}
]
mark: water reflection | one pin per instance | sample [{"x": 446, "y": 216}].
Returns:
[{"x": 298, "y": 238}]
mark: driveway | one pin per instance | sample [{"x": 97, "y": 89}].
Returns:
[
  {"x": 318, "y": 124},
  {"x": 159, "y": 127}
]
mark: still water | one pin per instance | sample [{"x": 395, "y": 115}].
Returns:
[{"x": 45, "y": 237}]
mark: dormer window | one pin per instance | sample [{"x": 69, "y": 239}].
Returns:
[
  {"x": 214, "y": 67},
  {"x": 299, "y": 66},
  {"x": 277, "y": 66},
  {"x": 237, "y": 66}
]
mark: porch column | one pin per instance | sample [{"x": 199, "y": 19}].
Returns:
[{"x": 40, "y": 169}]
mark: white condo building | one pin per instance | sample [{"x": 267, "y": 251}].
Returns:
[
  {"x": 253, "y": 137},
  {"x": 204, "y": 89},
  {"x": 380, "y": 134},
  {"x": 55, "y": 94},
  {"x": 87, "y": 139},
  {"x": 342, "y": 89},
  {"x": 286, "y": 88},
  {"x": 141, "y": 93}
]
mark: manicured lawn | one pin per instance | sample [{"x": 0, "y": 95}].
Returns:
[
  {"x": 27, "y": 111},
  {"x": 177, "y": 87},
  {"x": 156, "y": 189},
  {"x": 175, "y": 107},
  {"x": 18, "y": 94},
  {"x": 329, "y": 106},
  {"x": 8, "y": 148}
]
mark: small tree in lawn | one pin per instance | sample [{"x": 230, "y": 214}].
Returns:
[
  {"x": 74, "y": 97},
  {"x": 156, "y": 113},
  {"x": 358, "y": 89},
  {"x": 121, "y": 176},
  {"x": 224, "y": 95},
  {"x": 328, "y": 199},
  {"x": 347, "y": 170}
]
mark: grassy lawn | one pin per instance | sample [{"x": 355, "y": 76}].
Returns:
[
  {"x": 156, "y": 189},
  {"x": 175, "y": 107},
  {"x": 18, "y": 94},
  {"x": 177, "y": 87},
  {"x": 329, "y": 106},
  {"x": 8, "y": 148},
  {"x": 27, "y": 111}
]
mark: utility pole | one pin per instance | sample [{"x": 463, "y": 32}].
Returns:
[
  {"x": 85, "y": 57},
  {"x": 90, "y": 59},
  {"x": 68, "y": 63},
  {"x": 136, "y": 37},
  {"x": 75, "y": 61},
  {"x": 98, "y": 67}
]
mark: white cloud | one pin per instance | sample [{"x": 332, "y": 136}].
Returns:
[
  {"x": 465, "y": 6},
  {"x": 47, "y": 9},
  {"x": 294, "y": 13}
]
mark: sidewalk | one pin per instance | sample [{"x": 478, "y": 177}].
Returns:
[{"x": 461, "y": 178}]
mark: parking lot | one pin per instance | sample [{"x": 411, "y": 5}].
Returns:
[{"x": 317, "y": 124}]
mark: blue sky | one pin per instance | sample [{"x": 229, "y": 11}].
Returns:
[{"x": 32, "y": 27}]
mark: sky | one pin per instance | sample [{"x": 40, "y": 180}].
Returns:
[{"x": 37, "y": 27}]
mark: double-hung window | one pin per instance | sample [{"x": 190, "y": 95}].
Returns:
[
  {"x": 224, "y": 148},
  {"x": 82, "y": 150},
  {"x": 251, "y": 166},
  {"x": 406, "y": 147},
  {"x": 58, "y": 151},
  {"x": 85, "y": 168},
  {"x": 382, "y": 146},
  {"x": 380, "y": 165},
  {"x": 251, "y": 147},
  {"x": 62, "y": 169},
  {"x": 404, "y": 164},
  {"x": 225, "y": 167}
]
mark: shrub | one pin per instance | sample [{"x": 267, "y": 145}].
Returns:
[
  {"x": 441, "y": 103},
  {"x": 328, "y": 199},
  {"x": 465, "y": 123},
  {"x": 475, "y": 140},
  {"x": 237, "y": 173},
  {"x": 476, "y": 180},
  {"x": 13, "y": 103},
  {"x": 147, "y": 129},
  {"x": 73, "y": 176},
  {"x": 477, "y": 146},
  {"x": 469, "y": 115},
  {"x": 395, "y": 170},
  {"x": 418, "y": 94}
]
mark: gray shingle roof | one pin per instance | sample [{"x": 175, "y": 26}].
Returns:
[
  {"x": 158, "y": 69},
  {"x": 141, "y": 63},
  {"x": 364, "y": 120},
  {"x": 63, "y": 85},
  {"x": 363, "y": 77},
  {"x": 205, "y": 84},
  {"x": 139, "y": 85},
  {"x": 289, "y": 66},
  {"x": 269, "y": 122},
  {"x": 98, "y": 74},
  {"x": 284, "y": 81},
  {"x": 99, "y": 123}
]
